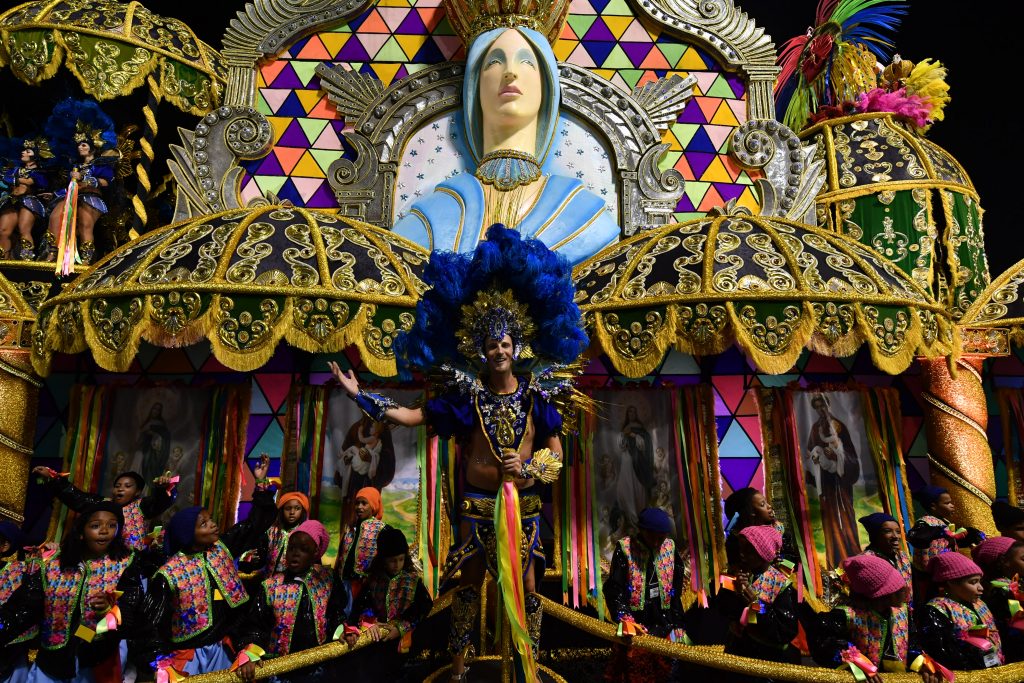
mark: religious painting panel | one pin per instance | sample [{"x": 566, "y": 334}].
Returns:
[{"x": 833, "y": 455}]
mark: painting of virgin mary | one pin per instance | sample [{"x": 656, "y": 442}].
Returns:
[{"x": 511, "y": 96}]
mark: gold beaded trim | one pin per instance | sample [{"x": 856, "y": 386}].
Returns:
[
  {"x": 953, "y": 412},
  {"x": 20, "y": 374},
  {"x": 14, "y": 445},
  {"x": 958, "y": 480}
]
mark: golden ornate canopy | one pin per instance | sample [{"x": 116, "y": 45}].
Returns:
[
  {"x": 16, "y": 316},
  {"x": 770, "y": 285},
  {"x": 112, "y": 48},
  {"x": 1000, "y": 307},
  {"x": 244, "y": 279}
]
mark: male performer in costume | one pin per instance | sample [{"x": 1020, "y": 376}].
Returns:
[{"x": 498, "y": 325}]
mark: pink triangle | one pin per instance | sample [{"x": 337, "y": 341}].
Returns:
[
  {"x": 580, "y": 57},
  {"x": 250, "y": 191},
  {"x": 752, "y": 426},
  {"x": 275, "y": 97},
  {"x": 911, "y": 428},
  {"x": 581, "y": 7},
  {"x": 635, "y": 33},
  {"x": 393, "y": 16},
  {"x": 327, "y": 140},
  {"x": 718, "y": 134},
  {"x": 731, "y": 388},
  {"x": 739, "y": 109},
  {"x": 448, "y": 45},
  {"x": 704, "y": 79},
  {"x": 757, "y": 481},
  {"x": 373, "y": 42},
  {"x": 307, "y": 186}
]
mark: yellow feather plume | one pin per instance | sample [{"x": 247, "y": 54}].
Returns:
[{"x": 927, "y": 80}]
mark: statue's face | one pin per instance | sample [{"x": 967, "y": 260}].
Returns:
[{"x": 510, "y": 81}]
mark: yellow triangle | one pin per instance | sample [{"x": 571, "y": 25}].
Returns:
[
  {"x": 393, "y": 3},
  {"x": 308, "y": 98},
  {"x": 260, "y": 81},
  {"x": 385, "y": 72},
  {"x": 673, "y": 143},
  {"x": 411, "y": 44},
  {"x": 279, "y": 123},
  {"x": 617, "y": 25},
  {"x": 563, "y": 48},
  {"x": 307, "y": 167},
  {"x": 748, "y": 200},
  {"x": 605, "y": 73},
  {"x": 724, "y": 116},
  {"x": 716, "y": 172},
  {"x": 691, "y": 61},
  {"x": 334, "y": 41}
]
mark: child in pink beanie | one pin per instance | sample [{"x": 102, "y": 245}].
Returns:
[
  {"x": 957, "y": 628},
  {"x": 1002, "y": 558},
  {"x": 299, "y": 608},
  {"x": 874, "y": 623},
  {"x": 762, "y": 602}
]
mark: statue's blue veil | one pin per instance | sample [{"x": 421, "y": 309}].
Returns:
[{"x": 547, "y": 124}]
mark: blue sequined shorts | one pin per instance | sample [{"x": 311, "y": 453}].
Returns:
[{"x": 477, "y": 510}]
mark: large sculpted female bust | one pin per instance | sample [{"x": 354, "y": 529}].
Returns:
[{"x": 510, "y": 97}]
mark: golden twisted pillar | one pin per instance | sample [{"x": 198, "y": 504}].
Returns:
[
  {"x": 959, "y": 455},
  {"x": 19, "y": 401}
]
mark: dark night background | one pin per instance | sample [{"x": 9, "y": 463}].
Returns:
[{"x": 974, "y": 40}]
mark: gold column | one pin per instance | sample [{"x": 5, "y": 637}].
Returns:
[
  {"x": 959, "y": 455},
  {"x": 19, "y": 401}
]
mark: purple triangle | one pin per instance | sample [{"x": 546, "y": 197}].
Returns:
[
  {"x": 736, "y": 84},
  {"x": 685, "y": 205},
  {"x": 699, "y": 162},
  {"x": 401, "y": 73},
  {"x": 323, "y": 198},
  {"x": 692, "y": 113},
  {"x": 270, "y": 166},
  {"x": 637, "y": 52},
  {"x": 352, "y": 51},
  {"x": 246, "y": 177},
  {"x": 287, "y": 79},
  {"x": 738, "y": 471},
  {"x": 257, "y": 425},
  {"x": 729, "y": 191},
  {"x": 412, "y": 25},
  {"x": 293, "y": 137},
  {"x": 599, "y": 31}
]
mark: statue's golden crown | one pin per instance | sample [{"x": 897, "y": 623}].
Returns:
[{"x": 470, "y": 18}]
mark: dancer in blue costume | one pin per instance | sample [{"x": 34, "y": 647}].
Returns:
[
  {"x": 497, "y": 330},
  {"x": 510, "y": 98}
]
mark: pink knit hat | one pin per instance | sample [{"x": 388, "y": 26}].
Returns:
[
  {"x": 317, "y": 532},
  {"x": 767, "y": 540},
  {"x": 872, "y": 576},
  {"x": 988, "y": 552},
  {"x": 950, "y": 566}
]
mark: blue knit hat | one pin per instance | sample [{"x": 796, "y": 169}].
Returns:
[
  {"x": 10, "y": 532},
  {"x": 873, "y": 523},
  {"x": 656, "y": 520},
  {"x": 181, "y": 530}
]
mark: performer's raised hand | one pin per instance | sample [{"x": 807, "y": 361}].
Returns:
[
  {"x": 347, "y": 380},
  {"x": 260, "y": 471}
]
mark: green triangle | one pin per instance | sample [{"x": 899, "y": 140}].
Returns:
[
  {"x": 262, "y": 106},
  {"x": 617, "y": 8},
  {"x": 720, "y": 88},
  {"x": 325, "y": 157},
  {"x": 724, "y": 149},
  {"x": 777, "y": 380},
  {"x": 443, "y": 28},
  {"x": 672, "y": 52},
  {"x": 415, "y": 68},
  {"x": 631, "y": 76},
  {"x": 391, "y": 52},
  {"x": 683, "y": 216},
  {"x": 744, "y": 179},
  {"x": 617, "y": 59},
  {"x": 696, "y": 190},
  {"x": 312, "y": 128},
  {"x": 684, "y": 132},
  {"x": 306, "y": 69},
  {"x": 581, "y": 23},
  {"x": 669, "y": 160},
  {"x": 340, "y": 29},
  {"x": 270, "y": 183}
]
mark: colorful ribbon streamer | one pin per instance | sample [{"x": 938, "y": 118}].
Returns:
[
  {"x": 251, "y": 653},
  {"x": 859, "y": 665},
  {"x": 508, "y": 529},
  {"x": 924, "y": 661},
  {"x": 165, "y": 672},
  {"x": 67, "y": 242}
]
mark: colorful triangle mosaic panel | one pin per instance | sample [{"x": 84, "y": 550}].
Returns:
[{"x": 399, "y": 37}]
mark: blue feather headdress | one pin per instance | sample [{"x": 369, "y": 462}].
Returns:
[
  {"x": 74, "y": 121},
  {"x": 507, "y": 285}
]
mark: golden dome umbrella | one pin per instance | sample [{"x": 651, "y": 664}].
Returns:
[
  {"x": 244, "y": 279},
  {"x": 113, "y": 48},
  {"x": 769, "y": 285}
]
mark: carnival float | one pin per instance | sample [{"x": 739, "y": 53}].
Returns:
[{"x": 766, "y": 252}]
